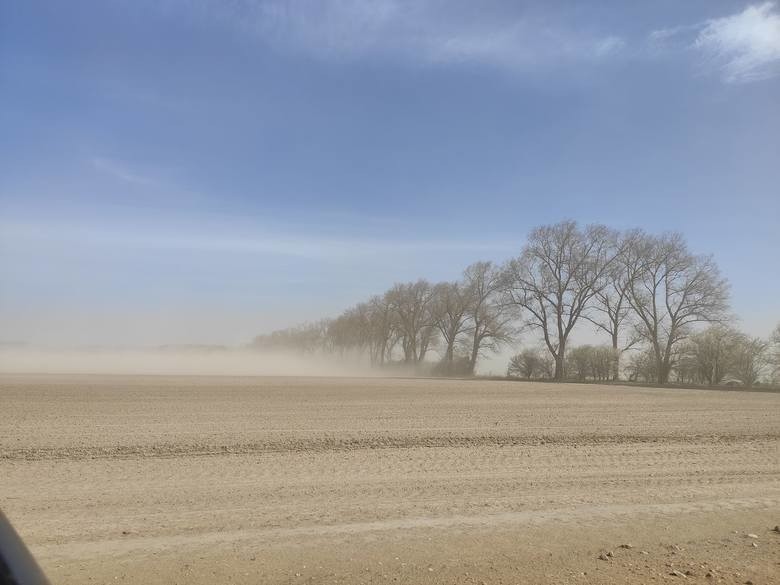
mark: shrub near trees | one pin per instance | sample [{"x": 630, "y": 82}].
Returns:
[
  {"x": 717, "y": 355},
  {"x": 531, "y": 364},
  {"x": 588, "y": 362},
  {"x": 649, "y": 295}
]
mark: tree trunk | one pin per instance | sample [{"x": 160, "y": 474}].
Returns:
[
  {"x": 410, "y": 352},
  {"x": 615, "y": 358},
  {"x": 560, "y": 368},
  {"x": 663, "y": 370},
  {"x": 474, "y": 353},
  {"x": 423, "y": 350}
]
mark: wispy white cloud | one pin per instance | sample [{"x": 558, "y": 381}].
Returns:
[
  {"x": 609, "y": 45},
  {"x": 419, "y": 31},
  {"x": 521, "y": 46},
  {"x": 218, "y": 239},
  {"x": 121, "y": 171},
  {"x": 152, "y": 181},
  {"x": 740, "y": 48},
  {"x": 744, "y": 46}
]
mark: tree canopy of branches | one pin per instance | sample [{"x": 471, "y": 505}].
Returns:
[
  {"x": 413, "y": 308},
  {"x": 452, "y": 301},
  {"x": 670, "y": 290},
  {"x": 305, "y": 339},
  {"x": 610, "y": 310},
  {"x": 491, "y": 322}
]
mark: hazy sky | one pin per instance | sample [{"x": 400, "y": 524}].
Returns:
[{"x": 201, "y": 171}]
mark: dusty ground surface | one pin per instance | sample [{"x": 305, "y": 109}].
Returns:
[{"x": 284, "y": 480}]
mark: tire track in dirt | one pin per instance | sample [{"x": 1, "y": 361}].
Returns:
[{"x": 580, "y": 515}]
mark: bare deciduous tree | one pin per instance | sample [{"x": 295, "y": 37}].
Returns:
[
  {"x": 382, "y": 330},
  {"x": 750, "y": 359},
  {"x": 413, "y": 310},
  {"x": 611, "y": 311},
  {"x": 308, "y": 338},
  {"x": 491, "y": 321},
  {"x": 670, "y": 289},
  {"x": 712, "y": 352},
  {"x": 560, "y": 270},
  {"x": 451, "y": 305}
]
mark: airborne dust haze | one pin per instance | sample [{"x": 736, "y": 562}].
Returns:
[{"x": 173, "y": 361}]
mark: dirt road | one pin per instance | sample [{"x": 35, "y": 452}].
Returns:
[{"x": 328, "y": 480}]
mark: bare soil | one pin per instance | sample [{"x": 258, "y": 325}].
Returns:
[{"x": 337, "y": 480}]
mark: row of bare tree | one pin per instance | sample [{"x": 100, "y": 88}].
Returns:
[
  {"x": 460, "y": 320},
  {"x": 640, "y": 290}
]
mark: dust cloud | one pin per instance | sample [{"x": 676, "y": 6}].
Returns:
[{"x": 174, "y": 361}]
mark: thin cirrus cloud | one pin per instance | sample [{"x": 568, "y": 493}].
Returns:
[
  {"x": 740, "y": 48},
  {"x": 520, "y": 47},
  {"x": 418, "y": 31},
  {"x": 219, "y": 239},
  {"x": 121, "y": 171},
  {"x": 150, "y": 181}
]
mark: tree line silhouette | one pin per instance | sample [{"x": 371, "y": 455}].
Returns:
[{"x": 646, "y": 294}]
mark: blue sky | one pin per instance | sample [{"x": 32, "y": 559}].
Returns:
[{"x": 201, "y": 171}]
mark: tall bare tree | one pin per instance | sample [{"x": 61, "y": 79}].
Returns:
[
  {"x": 559, "y": 271},
  {"x": 348, "y": 331},
  {"x": 491, "y": 320},
  {"x": 671, "y": 289},
  {"x": 451, "y": 314},
  {"x": 610, "y": 310},
  {"x": 382, "y": 328},
  {"x": 412, "y": 305}
]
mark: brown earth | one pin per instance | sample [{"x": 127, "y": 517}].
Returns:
[{"x": 335, "y": 480}]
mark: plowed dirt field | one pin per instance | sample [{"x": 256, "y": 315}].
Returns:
[{"x": 343, "y": 480}]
